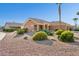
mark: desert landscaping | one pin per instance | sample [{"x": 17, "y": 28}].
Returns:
[{"x": 17, "y": 45}]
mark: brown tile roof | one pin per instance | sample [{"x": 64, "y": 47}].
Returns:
[
  {"x": 39, "y": 20},
  {"x": 57, "y": 22}
]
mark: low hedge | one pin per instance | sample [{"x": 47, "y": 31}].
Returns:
[
  {"x": 8, "y": 30},
  {"x": 76, "y": 29},
  {"x": 25, "y": 30},
  {"x": 20, "y": 31}
]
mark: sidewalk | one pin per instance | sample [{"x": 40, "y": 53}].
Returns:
[{"x": 2, "y": 35}]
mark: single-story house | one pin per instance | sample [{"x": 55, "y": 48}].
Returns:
[
  {"x": 33, "y": 24},
  {"x": 9, "y": 25}
]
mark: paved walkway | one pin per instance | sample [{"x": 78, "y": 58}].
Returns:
[{"x": 2, "y": 35}]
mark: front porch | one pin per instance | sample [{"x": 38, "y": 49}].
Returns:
[{"x": 41, "y": 27}]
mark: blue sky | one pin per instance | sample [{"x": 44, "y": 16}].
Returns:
[{"x": 48, "y": 11}]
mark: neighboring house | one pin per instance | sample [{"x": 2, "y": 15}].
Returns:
[
  {"x": 33, "y": 24},
  {"x": 9, "y": 25}
]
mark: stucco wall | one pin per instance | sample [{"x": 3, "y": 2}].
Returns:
[{"x": 30, "y": 25}]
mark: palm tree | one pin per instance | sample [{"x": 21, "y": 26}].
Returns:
[
  {"x": 59, "y": 13},
  {"x": 75, "y": 20}
]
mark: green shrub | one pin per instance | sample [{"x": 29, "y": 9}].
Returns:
[
  {"x": 38, "y": 36},
  {"x": 48, "y": 32},
  {"x": 58, "y": 32},
  {"x": 8, "y": 30},
  {"x": 67, "y": 36},
  {"x": 20, "y": 31},
  {"x": 25, "y": 30},
  {"x": 76, "y": 29}
]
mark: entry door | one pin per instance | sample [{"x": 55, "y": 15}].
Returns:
[{"x": 40, "y": 27}]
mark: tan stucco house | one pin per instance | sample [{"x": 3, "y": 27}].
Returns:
[{"x": 34, "y": 24}]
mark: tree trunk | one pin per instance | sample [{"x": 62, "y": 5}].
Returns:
[{"x": 59, "y": 14}]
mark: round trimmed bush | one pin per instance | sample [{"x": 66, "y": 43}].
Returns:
[
  {"x": 67, "y": 36},
  {"x": 58, "y": 32},
  {"x": 38, "y": 36}
]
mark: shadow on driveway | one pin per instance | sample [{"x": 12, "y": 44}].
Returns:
[{"x": 45, "y": 42}]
